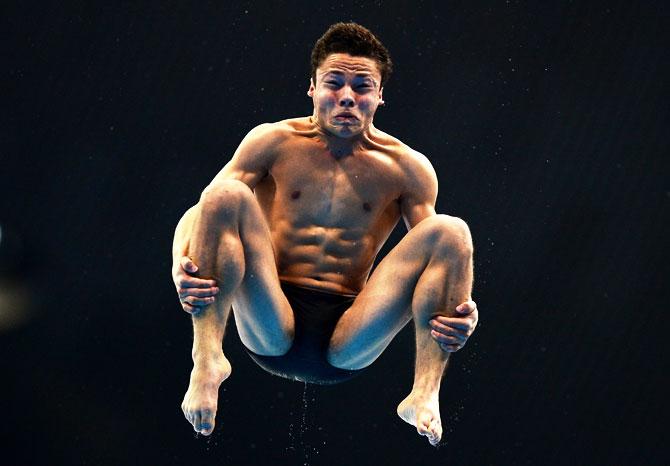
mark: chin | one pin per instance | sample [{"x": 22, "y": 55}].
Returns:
[
  {"x": 346, "y": 134},
  {"x": 346, "y": 131}
]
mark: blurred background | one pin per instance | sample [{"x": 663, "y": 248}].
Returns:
[{"x": 545, "y": 122}]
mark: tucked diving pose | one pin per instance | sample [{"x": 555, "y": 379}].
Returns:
[{"x": 287, "y": 232}]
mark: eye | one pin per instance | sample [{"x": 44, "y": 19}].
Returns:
[{"x": 364, "y": 86}]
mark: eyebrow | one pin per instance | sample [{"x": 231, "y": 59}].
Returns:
[{"x": 357, "y": 75}]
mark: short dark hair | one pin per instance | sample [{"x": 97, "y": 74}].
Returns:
[{"x": 355, "y": 40}]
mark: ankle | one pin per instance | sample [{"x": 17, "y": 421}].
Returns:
[
  {"x": 208, "y": 356},
  {"x": 217, "y": 368},
  {"x": 425, "y": 393}
]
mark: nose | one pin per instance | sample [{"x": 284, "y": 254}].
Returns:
[{"x": 347, "y": 97}]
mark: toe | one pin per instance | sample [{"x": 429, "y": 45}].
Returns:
[
  {"x": 195, "y": 420},
  {"x": 422, "y": 429},
  {"x": 206, "y": 421},
  {"x": 188, "y": 414},
  {"x": 423, "y": 424},
  {"x": 435, "y": 432}
]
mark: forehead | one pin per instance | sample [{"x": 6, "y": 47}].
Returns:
[{"x": 345, "y": 63}]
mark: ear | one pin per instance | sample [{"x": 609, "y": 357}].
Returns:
[
  {"x": 310, "y": 91},
  {"x": 381, "y": 97}
]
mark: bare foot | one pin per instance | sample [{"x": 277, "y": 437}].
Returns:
[
  {"x": 423, "y": 412},
  {"x": 200, "y": 401}
]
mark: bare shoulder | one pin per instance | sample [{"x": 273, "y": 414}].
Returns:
[
  {"x": 266, "y": 135},
  {"x": 419, "y": 181},
  {"x": 256, "y": 154},
  {"x": 416, "y": 167}
]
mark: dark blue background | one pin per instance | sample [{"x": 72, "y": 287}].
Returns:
[{"x": 544, "y": 123}]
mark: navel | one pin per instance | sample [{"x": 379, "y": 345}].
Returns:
[
  {"x": 295, "y": 194},
  {"x": 366, "y": 207}
]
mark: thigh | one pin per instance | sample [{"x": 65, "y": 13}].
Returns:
[
  {"x": 383, "y": 307},
  {"x": 263, "y": 315}
]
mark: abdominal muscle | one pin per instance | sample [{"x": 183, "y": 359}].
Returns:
[
  {"x": 317, "y": 257},
  {"x": 328, "y": 217}
]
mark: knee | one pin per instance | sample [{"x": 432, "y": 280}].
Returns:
[
  {"x": 225, "y": 198},
  {"x": 448, "y": 235},
  {"x": 343, "y": 360},
  {"x": 265, "y": 344}
]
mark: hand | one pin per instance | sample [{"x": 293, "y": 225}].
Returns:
[
  {"x": 451, "y": 333},
  {"x": 194, "y": 293}
]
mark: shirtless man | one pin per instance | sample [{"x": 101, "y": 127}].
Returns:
[{"x": 287, "y": 234}]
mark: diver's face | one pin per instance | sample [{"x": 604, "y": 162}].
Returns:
[{"x": 346, "y": 94}]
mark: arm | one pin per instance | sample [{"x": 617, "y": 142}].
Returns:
[
  {"x": 254, "y": 156},
  {"x": 416, "y": 204},
  {"x": 417, "y": 201},
  {"x": 181, "y": 234},
  {"x": 250, "y": 164}
]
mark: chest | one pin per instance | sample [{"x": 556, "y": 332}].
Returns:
[{"x": 331, "y": 191}]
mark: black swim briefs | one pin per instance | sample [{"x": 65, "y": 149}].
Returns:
[{"x": 316, "y": 314}]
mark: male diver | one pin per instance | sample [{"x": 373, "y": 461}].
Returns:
[{"x": 287, "y": 232}]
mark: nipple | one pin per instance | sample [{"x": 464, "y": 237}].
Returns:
[
  {"x": 295, "y": 194},
  {"x": 366, "y": 207}
]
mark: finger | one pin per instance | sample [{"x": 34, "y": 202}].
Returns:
[
  {"x": 450, "y": 348},
  {"x": 193, "y": 282},
  {"x": 197, "y": 292},
  {"x": 447, "y": 339},
  {"x": 467, "y": 307},
  {"x": 445, "y": 329},
  {"x": 188, "y": 265},
  {"x": 461, "y": 323},
  {"x": 190, "y": 308},
  {"x": 193, "y": 301}
]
